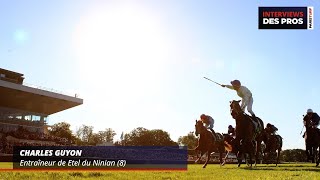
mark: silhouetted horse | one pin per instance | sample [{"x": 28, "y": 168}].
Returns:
[
  {"x": 208, "y": 143},
  {"x": 248, "y": 137},
  {"x": 273, "y": 146},
  {"x": 312, "y": 141}
]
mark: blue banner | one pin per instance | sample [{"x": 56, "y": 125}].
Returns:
[{"x": 100, "y": 157}]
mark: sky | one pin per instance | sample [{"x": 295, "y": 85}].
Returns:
[{"x": 142, "y": 63}]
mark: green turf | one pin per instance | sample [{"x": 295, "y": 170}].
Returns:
[
  {"x": 5, "y": 165},
  {"x": 229, "y": 172}
]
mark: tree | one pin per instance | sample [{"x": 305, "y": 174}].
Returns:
[
  {"x": 106, "y": 136},
  {"x": 144, "y": 137},
  {"x": 293, "y": 155},
  {"x": 85, "y": 134},
  {"x": 189, "y": 140},
  {"x": 62, "y": 130}
]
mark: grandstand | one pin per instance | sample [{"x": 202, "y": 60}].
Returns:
[{"x": 24, "y": 111}]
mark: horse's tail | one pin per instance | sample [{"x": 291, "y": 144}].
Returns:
[{"x": 279, "y": 141}]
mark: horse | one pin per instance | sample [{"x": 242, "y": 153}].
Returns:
[
  {"x": 273, "y": 144},
  {"x": 312, "y": 141},
  {"x": 207, "y": 143},
  {"x": 229, "y": 145},
  {"x": 248, "y": 139}
]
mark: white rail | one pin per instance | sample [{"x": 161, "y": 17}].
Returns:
[{"x": 51, "y": 90}]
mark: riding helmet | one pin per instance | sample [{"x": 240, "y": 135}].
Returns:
[{"x": 236, "y": 83}]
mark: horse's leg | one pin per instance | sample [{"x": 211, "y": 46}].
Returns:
[
  {"x": 220, "y": 158},
  {"x": 239, "y": 156},
  {"x": 246, "y": 159},
  {"x": 250, "y": 159},
  {"x": 225, "y": 158},
  {"x": 257, "y": 149},
  {"x": 252, "y": 152},
  {"x": 307, "y": 152},
  {"x": 314, "y": 154},
  {"x": 278, "y": 156},
  {"x": 208, "y": 158},
  {"x": 199, "y": 157},
  {"x": 318, "y": 159},
  {"x": 240, "y": 152}
]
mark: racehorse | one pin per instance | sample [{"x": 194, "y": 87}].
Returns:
[
  {"x": 229, "y": 145},
  {"x": 208, "y": 143},
  {"x": 273, "y": 146},
  {"x": 248, "y": 138},
  {"x": 312, "y": 142}
]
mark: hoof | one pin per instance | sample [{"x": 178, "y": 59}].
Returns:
[
  {"x": 223, "y": 163},
  {"x": 203, "y": 166}
]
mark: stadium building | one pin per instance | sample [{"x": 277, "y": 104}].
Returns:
[{"x": 24, "y": 109}]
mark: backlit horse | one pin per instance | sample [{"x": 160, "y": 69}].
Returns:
[
  {"x": 208, "y": 143},
  {"x": 273, "y": 144},
  {"x": 312, "y": 142},
  {"x": 248, "y": 137}
]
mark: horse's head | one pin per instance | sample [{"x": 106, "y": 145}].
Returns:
[
  {"x": 235, "y": 108},
  {"x": 198, "y": 127},
  {"x": 307, "y": 122}
]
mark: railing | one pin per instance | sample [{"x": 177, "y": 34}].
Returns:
[{"x": 51, "y": 90}]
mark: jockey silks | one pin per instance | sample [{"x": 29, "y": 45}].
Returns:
[
  {"x": 209, "y": 122},
  {"x": 246, "y": 96}
]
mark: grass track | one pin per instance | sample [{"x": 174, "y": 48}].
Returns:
[{"x": 229, "y": 172}]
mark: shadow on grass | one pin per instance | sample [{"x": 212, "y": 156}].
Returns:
[
  {"x": 283, "y": 168},
  {"x": 76, "y": 174}
]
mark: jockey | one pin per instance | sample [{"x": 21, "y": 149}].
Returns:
[
  {"x": 231, "y": 131},
  {"x": 244, "y": 93},
  {"x": 271, "y": 129},
  {"x": 313, "y": 117},
  {"x": 208, "y": 122}
]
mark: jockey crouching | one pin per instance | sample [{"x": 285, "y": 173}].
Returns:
[
  {"x": 208, "y": 122},
  {"x": 313, "y": 117},
  {"x": 271, "y": 129},
  {"x": 231, "y": 131}
]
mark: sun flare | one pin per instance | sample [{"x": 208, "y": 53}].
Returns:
[{"x": 123, "y": 52}]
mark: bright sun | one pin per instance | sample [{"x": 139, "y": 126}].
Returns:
[{"x": 121, "y": 48}]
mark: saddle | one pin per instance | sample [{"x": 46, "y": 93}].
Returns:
[
  {"x": 213, "y": 134},
  {"x": 256, "y": 124},
  {"x": 219, "y": 137}
]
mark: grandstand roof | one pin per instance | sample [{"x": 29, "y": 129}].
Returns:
[
  {"x": 25, "y": 98},
  {"x": 10, "y": 72}
]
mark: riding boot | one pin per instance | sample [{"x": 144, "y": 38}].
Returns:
[
  {"x": 256, "y": 124},
  {"x": 213, "y": 134},
  {"x": 254, "y": 118}
]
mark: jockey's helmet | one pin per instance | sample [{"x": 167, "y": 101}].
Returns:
[
  {"x": 230, "y": 126},
  {"x": 236, "y": 83},
  {"x": 268, "y": 125},
  {"x": 203, "y": 116},
  {"x": 309, "y": 111}
]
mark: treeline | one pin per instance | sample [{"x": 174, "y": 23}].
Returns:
[
  {"x": 140, "y": 136},
  {"x": 293, "y": 155},
  {"x": 85, "y": 135}
]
